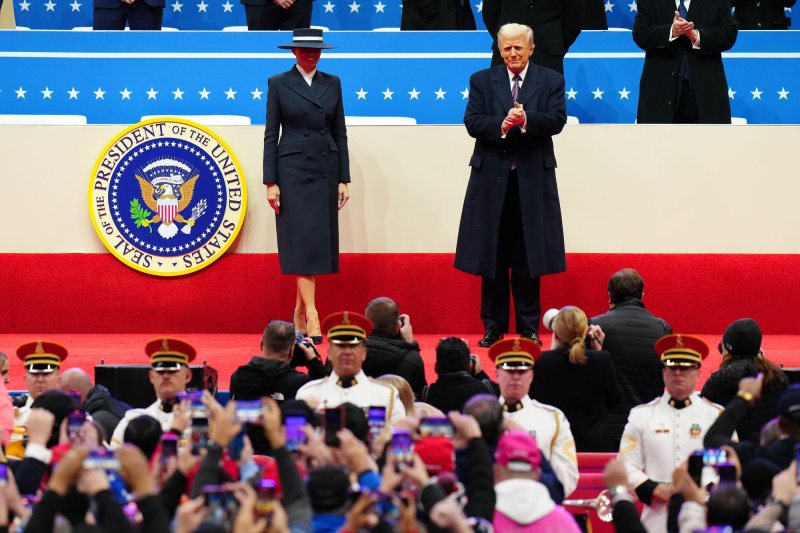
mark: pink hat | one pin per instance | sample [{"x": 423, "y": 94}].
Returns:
[{"x": 518, "y": 451}]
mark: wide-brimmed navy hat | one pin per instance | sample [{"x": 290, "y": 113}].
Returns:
[{"x": 306, "y": 38}]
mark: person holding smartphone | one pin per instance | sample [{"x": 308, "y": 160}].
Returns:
[{"x": 347, "y": 382}]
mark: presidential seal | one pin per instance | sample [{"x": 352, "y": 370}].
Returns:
[{"x": 167, "y": 197}]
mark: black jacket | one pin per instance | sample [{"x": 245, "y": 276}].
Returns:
[
  {"x": 389, "y": 354},
  {"x": 762, "y": 14},
  {"x": 723, "y": 385},
  {"x": 451, "y": 391},
  {"x": 273, "y": 378},
  {"x": 583, "y": 392},
  {"x": 104, "y": 408},
  {"x": 631, "y": 333},
  {"x": 437, "y": 15}
]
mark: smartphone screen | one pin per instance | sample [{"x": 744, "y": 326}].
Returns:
[
  {"x": 3, "y": 474},
  {"x": 236, "y": 445},
  {"x": 101, "y": 458},
  {"x": 376, "y": 420},
  {"x": 294, "y": 432},
  {"x": 714, "y": 456},
  {"x": 75, "y": 421},
  {"x": 334, "y": 420},
  {"x": 199, "y": 434},
  {"x": 249, "y": 412},
  {"x": 797, "y": 460},
  {"x": 402, "y": 448},
  {"x": 696, "y": 466},
  {"x": 169, "y": 447},
  {"x": 221, "y": 505},
  {"x": 265, "y": 502},
  {"x": 435, "y": 427}
]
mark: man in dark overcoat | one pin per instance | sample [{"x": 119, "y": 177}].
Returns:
[
  {"x": 556, "y": 23},
  {"x": 683, "y": 80},
  {"x": 431, "y": 15},
  {"x": 511, "y": 218}
]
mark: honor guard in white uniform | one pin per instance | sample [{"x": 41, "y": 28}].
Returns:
[
  {"x": 169, "y": 375},
  {"x": 42, "y": 361},
  {"x": 660, "y": 435},
  {"x": 514, "y": 359},
  {"x": 347, "y": 383}
]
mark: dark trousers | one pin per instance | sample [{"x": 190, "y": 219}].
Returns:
[
  {"x": 273, "y": 17},
  {"x": 138, "y": 15},
  {"x": 495, "y": 302},
  {"x": 686, "y": 110}
]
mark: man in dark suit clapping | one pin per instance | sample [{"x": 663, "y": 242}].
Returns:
[{"x": 511, "y": 218}]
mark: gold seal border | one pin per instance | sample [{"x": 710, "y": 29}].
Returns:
[{"x": 101, "y": 233}]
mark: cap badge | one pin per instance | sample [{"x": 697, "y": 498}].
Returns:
[
  {"x": 679, "y": 341},
  {"x": 165, "y": 345},
  {"x": 39, "y": 348},
  {"x": 346, "y": 318},
  {"x": 516, "y": 346}
]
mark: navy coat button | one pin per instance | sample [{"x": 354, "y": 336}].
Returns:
[{"x": 499, "y": 179}]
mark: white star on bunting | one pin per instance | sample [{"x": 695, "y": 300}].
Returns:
[
  {"x": 609, "y": 6},
  {"x": 20, "y": 92},
  {"x": 623, "y": 94},
  {"x": 571, "y": 94},
  {"x": 783, "y": 94},
  {"x": 176, "y": 7},
  {"x": 204, "y": 94},
  {"x": 201, "y": 7},
  {"x": 230, "y": 94},
  {"x": 329, "y": 7},
  {"x": 413, "y": 94},
  {"x": 75, "y": 6},
  {"x": 633, "y": 7},
  {"x": 256, "y": 94},
  {"x": 99, "y": 94},
  {"x": 177, "y": 94},
  {"x": 479, "y": 7},
  {"x": 24, "y": 5},
  {"x": 379, "y": 7},
  {"x": 440, "y": 94},
  {"x": 731, "y": 93},
  {"x": 465, "y": 93},
  {"x": 598, "y": 94},
  {"x": 756, "y": 94},
  {"x": 50, "y": 6},
  {"x": 126, "y": 94},
  {"x": 362, "y": 94},
  {"x": 151, "y": 94},
  {"x": 47, "y": 94},
  {"x": 73, "y": 94},
  {"x": 354, "y": 7},
  {"x": 387, "y": 94},
  {"x": 227, "y": 7}
]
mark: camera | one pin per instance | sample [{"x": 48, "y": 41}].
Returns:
[{"x": 298, "y": 355}]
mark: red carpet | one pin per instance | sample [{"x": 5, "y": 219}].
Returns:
[
  {"x": 227, "y": 352},
  {"x": 94, "y": 293}
]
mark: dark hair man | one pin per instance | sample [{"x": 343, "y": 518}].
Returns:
[
  {"x": 391, "y": 348},
  {"x": 460, "y": 377}
]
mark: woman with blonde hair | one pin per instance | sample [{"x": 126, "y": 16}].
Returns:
[
  {"x": 579, "y": 379},
  {"x": 403, "y": 388}
]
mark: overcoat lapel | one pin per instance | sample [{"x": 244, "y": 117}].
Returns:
[
  {"x": 530, "y": 86},
  {"x": 295, "y": 82},
  {"x": 501, "y": 88}
]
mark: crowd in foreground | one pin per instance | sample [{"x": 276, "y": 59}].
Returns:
[{"x": 361, "y": 442}]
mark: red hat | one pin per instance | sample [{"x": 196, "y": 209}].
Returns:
[
  {"x": 514, "y": 353},
  {"x": 169, "y": 354},
  {"x": 518, "y": 451},
  {"x": 346, "y": 327},
  {"x": 438, "y": 454},
  {"x": 41, "y": 357},
  {"x": 681, "y": 350}
]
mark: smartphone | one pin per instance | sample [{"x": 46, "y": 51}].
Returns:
[
  {"x": 727, "y": 474},
  {"x": 249, "y": 411},
  {"x": 200, "y": 434},
  {"x": 195, "y": 398},
  {"x": 221, "y": 505},
  {"x": 334, "y": 420},
  {"x": 386, "y": 509},
  {"x": 236, "y": 445},
  {"x": 265, "y": 501},
  {"x": 696, "y": 466},
  {"x": 714, "y": 456},
  {"x": 101, "y": 458},
  {"x": 75, "y": 421},
  {"x": 294, "y": 432},
  {"x": 436, "y": 427},
  {"x": 376, "y": 420},
  {"x": 169, "y": 447},
  {"x": 3, "y": 474},
  {"x": 402, "y": 448},
  {"x": 797, "y": 461}
]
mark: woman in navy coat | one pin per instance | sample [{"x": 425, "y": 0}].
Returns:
[
  {"x": 306, "y": 170},
  {"x": 580, "y": 381}
]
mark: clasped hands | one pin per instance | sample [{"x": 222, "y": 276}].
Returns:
[
  {"x": 274, "y": 196},
  {"x": 284, "y": 4},
  {"x": 515, "y": 117},
  {"x": 681, "y": 26}
]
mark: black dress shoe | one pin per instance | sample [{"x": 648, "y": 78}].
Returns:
[
  {"x": 490, "y": 337},
  {"x": 532, "y": 335}
]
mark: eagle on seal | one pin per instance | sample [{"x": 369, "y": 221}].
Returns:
[{"x": 167, "y": 203}]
